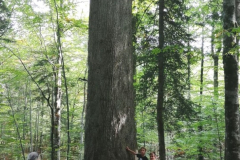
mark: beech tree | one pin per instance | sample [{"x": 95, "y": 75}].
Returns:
[{"x": 110, "y": 125}]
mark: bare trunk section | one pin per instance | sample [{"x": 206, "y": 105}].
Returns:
[
  {"x": 200, "y": 127},
  {"x": 57, "y": 107},
  {"x": 67, "y": 103},
  {"x": 110, "y": 124},
  {"x": 82, "y": 117},
  {"x": 230, "y": 64},
  {"x": 237, "y": 11},
  {"x": 58, "y": 84},
  {"x": 215, "y": 57},
  {"x": 37, "y": 129},
  {"x": 25, "y": 110},
  {"x": 189, "y": 72},
  {"x": 161, "y": 80},
  {"x": 30, "y": 120}
]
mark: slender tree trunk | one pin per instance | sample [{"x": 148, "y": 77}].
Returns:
[
  {"x": 238, "y": 24},
  {"x": 161, "y": 79},
  {"x": 189, "y": 72},
  {"x": 218, "y": 134},
  {"x": 215, "y": 57},
  {"x": 110, "y": 124},
  {"x": 25, "y": 111},
  {"x": 230, "y": 64},
  {"x": 37, "y": 129},
  {"x": 68, "y": 114},
  {"x": 189, "y": 65},
  {"x": 41, "y": 129},
  {"x": 57, "y": 113},
  {"x": 52, "y": 122},
  {"x": 82, "y": 117},
  {"x": 30, "y": 120},
  {"x": 58, "y": 83},
  {"x": 200, "y": 127}
]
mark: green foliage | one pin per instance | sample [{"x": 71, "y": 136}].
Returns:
[
  {"x": 28, "y": 62},
  {"x": 183, "y": 27},
  {"x": 4, "y": 18}
]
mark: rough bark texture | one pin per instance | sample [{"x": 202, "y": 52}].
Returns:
[
  {"x": 110, "y": 125},
  {"x": 230, "y": 62},
  {"x": 161, "y": 79}
]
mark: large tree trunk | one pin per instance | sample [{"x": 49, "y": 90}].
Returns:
[
  {"x": 110, "y": 124},
  {"x": 230, "y": 62},
  {"x": 161, "y": 79}
]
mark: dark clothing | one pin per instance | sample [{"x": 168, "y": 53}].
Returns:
[
  {"x": 141, "y": 158},
  {"x": 32, "y": 156}
]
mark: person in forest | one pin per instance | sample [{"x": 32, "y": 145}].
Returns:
[
  {"x": 32, "y": 156},
  {"x": 153, "y": 156},
  {"x": 141, "y": 155}
]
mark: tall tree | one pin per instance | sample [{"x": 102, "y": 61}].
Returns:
[
  {"x": 200, "y": 127},
  {"x": 58, "y": 84},
  {"x": 110, "y": 125},
  {"x": 161, "y": 79},
  {"x": 230, "y": 64}
]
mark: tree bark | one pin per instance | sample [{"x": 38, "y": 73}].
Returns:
[
  {"x": 230, "y": 64},
  {"x": 68, "y": 114},
  {"x": 215, "y": 57},
  {"x": 161, "y": 80},
  {"x": 110, "y": 124},
  {"x": 238, "y": 24},
  {"x": 82, "y": 117},
  {"x": 189, "y": 72},
  {"x": 30, "y": 119},
  {"x": 200, "y": 127},
  {"x": 58, "y": 83}
]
